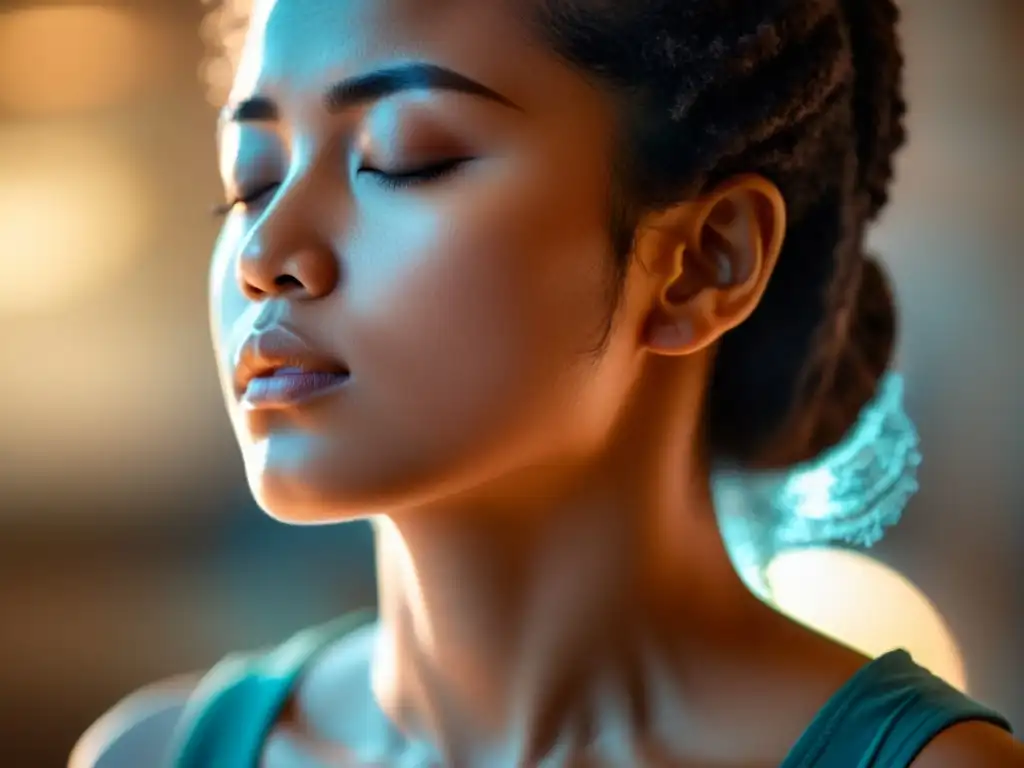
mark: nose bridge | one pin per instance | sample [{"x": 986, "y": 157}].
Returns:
[{"x": 289, "y": 248}]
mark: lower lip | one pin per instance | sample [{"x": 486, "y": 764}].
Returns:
[{"x": 289, "y": 389}]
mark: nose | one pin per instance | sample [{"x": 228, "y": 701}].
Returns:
[
  {"x": 303, "y": 274},
  {"x": 285, "y": 256}
]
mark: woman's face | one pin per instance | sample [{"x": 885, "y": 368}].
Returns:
[{"x": 453, "y": 315}]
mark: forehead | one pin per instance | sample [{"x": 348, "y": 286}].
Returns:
[{"x": 299, "y": 45}]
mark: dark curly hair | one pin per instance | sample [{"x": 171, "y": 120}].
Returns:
[{"x": 806, "y": 93}]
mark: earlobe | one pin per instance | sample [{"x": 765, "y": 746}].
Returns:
[{"x": 672, "y": 335}]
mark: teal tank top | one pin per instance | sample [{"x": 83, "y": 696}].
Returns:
[{"x": 881, "y": 718}]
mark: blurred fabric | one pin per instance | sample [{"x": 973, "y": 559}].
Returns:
[{"x": 129, "y": 546}]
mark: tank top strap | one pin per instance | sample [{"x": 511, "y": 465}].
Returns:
[
  {"x": 227, "y": 718},
  {"x": 884, "y": 716}
]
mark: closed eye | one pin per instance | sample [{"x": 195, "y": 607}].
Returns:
[
  {"x": 422, "y": 175},
  {"x": 388, "y": 179},
  {"x": 246, "y": 199}
]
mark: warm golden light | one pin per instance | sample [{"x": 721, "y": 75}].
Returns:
[
  {"x": 865, "y": 604},
  {"x": 55, "y": 59},
  {"x": 72, "y": 216},
  {"x": 223, "y": 31}
]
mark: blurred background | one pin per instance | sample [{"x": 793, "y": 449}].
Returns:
[{"x": 129, "y": 546}]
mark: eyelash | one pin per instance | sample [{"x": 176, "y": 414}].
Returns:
[
  {"x": 244, "y": 200},
  {"x": 421, "y": 175},
  {"x": 394, "y": 180}
]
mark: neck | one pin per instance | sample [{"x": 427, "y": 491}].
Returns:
[{"x": 500, "y": 614}]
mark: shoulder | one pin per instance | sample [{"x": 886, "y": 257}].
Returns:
[
  {"x": 137, "y": 729},
  {"x": 333, "y": 697},
  {"x": 974, "y": 744}
]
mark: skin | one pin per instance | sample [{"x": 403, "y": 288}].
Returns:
[{"x": 549, "y": 563}]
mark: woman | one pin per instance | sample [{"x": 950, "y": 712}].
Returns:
[{"x": 511, "y": 278}]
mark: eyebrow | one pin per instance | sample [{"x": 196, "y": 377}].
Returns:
[{"x": 371, "y": 87}]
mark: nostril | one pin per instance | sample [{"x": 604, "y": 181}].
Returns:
[
  {"x": 309, "y": 273},
  {"x": 280, "y": 285},
  {"x": 251, "y": 292},
  {"x": 287, "y": 282}
]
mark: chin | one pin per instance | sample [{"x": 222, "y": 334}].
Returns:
[
  {"x": 308, "y": 498},
  {"x": 297, "y": 481},
  {"x": 300, "y": 479},
  {"x": 294, "y": 503}
]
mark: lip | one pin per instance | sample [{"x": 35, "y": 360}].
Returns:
[{"x": 277, "y": 368}]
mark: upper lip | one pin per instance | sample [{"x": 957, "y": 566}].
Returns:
[{"x": 278, "y": 347}]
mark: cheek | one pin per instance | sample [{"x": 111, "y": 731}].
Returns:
[{"x": 475, "y": 313}]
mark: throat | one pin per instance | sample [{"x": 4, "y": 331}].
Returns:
[{"x": 508, "y": 637}]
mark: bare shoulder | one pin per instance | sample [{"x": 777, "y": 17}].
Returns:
[
  {"x": 972, "y": 745},
  {"x": 137, "y": 729}
]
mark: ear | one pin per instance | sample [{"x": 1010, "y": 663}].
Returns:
[{"x": 710, "y": 260}]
